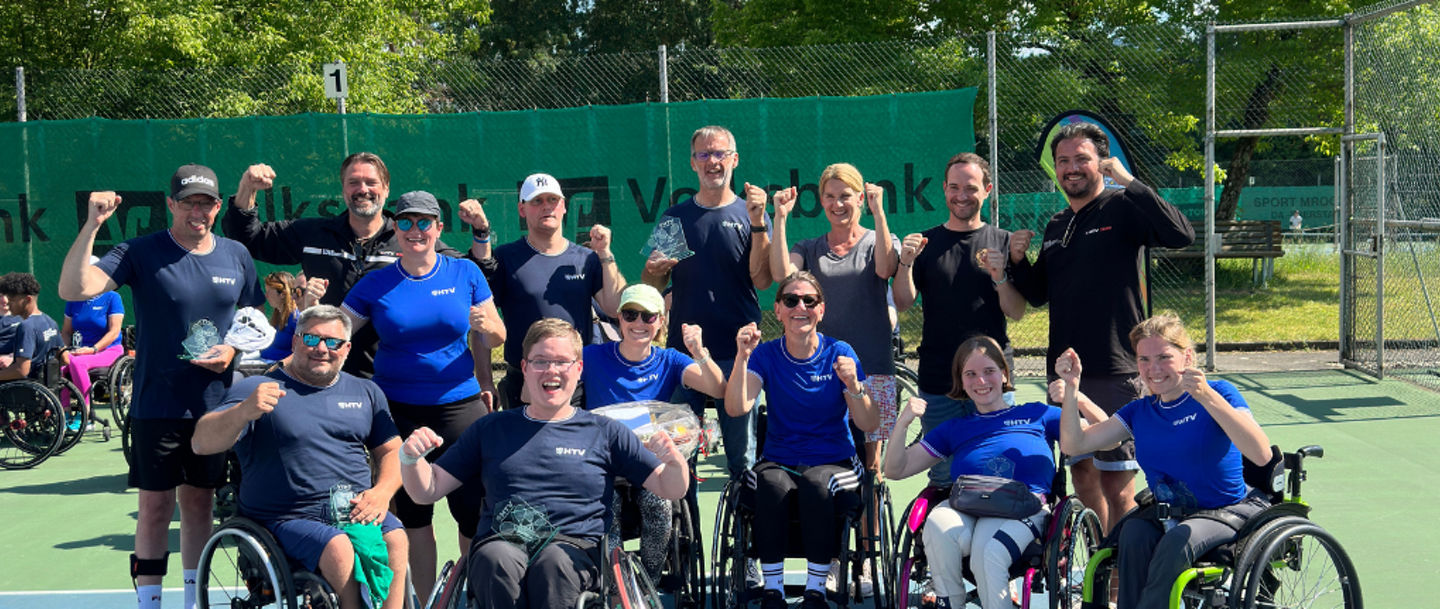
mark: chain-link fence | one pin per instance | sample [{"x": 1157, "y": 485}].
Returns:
[
  {"x": 1394, "y": 285},
  {"x": 1147, "y": 80}
]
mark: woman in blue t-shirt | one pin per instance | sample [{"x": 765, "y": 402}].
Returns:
[
  {"x": 1190, "y": 436},
  {"x": 92, "y": 329},
  {"x": 998, "y": 439},
  {"x": 635, "y": 369},
  {"x": 813, "y": 387},
  {"x": 284, "y": 300},
  {"x": 424, "y": 308}
]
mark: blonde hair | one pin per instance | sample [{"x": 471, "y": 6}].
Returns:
[
  {"x": 285, "y": 282},
  {"x": 846, "y": 173},
  {"x": 1166, "y": 325},
  {"x": 551, "y": 327}
]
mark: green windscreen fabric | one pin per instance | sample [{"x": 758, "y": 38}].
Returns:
[{"x": 620, "y": 166}]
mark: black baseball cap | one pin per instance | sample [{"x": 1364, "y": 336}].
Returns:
[{"x": 194, "y": 180}]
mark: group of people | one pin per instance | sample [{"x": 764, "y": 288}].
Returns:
[{"x": 389, "y": 355}]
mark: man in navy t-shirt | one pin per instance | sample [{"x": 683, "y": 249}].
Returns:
[
  {"x": 300, "y": 432},
  {"x": 547, "y": 457},
  {"x": 8, "y": 323},
  {"x": 184, "y": 282},
  {"x": 541, "y": 274},
  {"x": 716, "y": 288},
  {"x": 36, "y": 336}
]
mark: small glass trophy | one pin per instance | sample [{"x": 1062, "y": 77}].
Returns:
[
  {"x": 524, "y": 525},
  {"x": 202, "y": 337},
  {"x": 340, "y": 496},
  {"x": 76, "y": 341},
  {"x": 668, "y": 238}
]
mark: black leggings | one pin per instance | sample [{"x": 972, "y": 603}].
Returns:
[
  {"x": 779, "y": 491},
  {"x": 449, "y": 421}
]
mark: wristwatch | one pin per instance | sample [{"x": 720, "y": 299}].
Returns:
[{"x": 857, "y": 394}]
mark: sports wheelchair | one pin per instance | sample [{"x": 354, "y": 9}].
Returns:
[
  {"x": 623, "y": 585},
  {"x": 1279, "y": 559},
  {"x": 36, "y": 423},
  {"x": 684, "y": 569},
  {"x": 243, "y": 567},
  {"x": 733, "y": 544},
  {"x": 1053, "y": 564}
]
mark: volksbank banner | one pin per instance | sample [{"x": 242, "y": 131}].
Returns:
[{"x": 620, "y": 166}]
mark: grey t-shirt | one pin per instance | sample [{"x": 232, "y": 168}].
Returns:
[{"x": 856, "y": 306}]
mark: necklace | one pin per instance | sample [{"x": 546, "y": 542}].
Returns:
[{"x": 1069, "y": 229}]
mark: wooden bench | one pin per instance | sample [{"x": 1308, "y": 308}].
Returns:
[{"x": 1258, "y": 240}]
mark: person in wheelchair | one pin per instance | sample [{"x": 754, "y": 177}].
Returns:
[
  {"x": 37, "y": 337},
  {"x": 548, "y": 471},
  {"x": 633, "y": 370},
  {"x": 997, "y": 439},
  {"x": 92, "y": 330},
  {"x": 1190, "y": 436},
  {"x": 301, "y": 432},
  {"x": 8, "y": 324},
  {"x": 813, "y": 387}
]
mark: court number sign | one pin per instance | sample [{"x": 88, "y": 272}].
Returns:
[{"x": 336, "y": 85}]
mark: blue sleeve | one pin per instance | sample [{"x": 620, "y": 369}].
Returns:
[
  {"x": 284, "y": 337},
  {"x": 27, "y": 342},
  {"x": 118, "y": 264},
  {"x": 253, "y": 295},
  {"x": 1126, "y": 414},
  {"x": 1231, "y": 394},
  {"x": 937, "y": 442},
  {"x": 1051, "y": 421},
  {"x": 464, "y": 459},
  {"x": 758, "y": 361},
  {"x": 359, "y": 301},
  {"x": 479, "y": 288},
  {"x": 72, "y": 308},
  {"x": 382, "y": 425},
  {"x": 238, "y": 392},
  {"x": 678, "y": 361},
  {"x": 117, "y": 305}
]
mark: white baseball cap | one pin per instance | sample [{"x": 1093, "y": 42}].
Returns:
[{"x": 537, "y": 184}]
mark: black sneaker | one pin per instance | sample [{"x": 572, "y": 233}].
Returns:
[
  {"x": 814, "y": 599},
  {"x": 773, "y": 599}
]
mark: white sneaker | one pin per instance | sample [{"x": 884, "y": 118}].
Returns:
[
  {"x": 867, "y": 583},
  {"x": 832, "y": 581}
]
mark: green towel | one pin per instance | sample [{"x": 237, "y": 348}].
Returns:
[{"x": 372, "y": 560}]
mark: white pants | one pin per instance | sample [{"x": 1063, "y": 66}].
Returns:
[{"x": 992, "y": 545}]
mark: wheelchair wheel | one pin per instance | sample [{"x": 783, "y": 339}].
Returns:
[
  {"x": 1076, "y": 536},
  {"x": 882, "y": 569},
  {"x": 1247, "y": 551},
  {"x": 1302, "y": 566},
  {"x": 77, "y": 414},
  {"x": 626, "y": 584},
  {"x": 728, "y": 585},
  {"x": 127, "y": 442},
  {"x": 450, "y": 588},
  {"x": 687, "y": 557},
  {"x": 913, "y": 585},
  {"x": 313, "y": 592},
  {"x": 122, "y": 389},
  {"x": 32, "y": 422},
  {"x": 239, "y": 568}
]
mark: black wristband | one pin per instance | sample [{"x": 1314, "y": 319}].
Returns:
[
  {"x": 757, "y": 228},
  {"x": 480, "y": 233}
]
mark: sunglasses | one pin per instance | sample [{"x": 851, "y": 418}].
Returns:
[
  {"x": 404, "y": 224},
  {"x": 632, "y": 315},
  {"x": 311, "y": 340},
  {"x": 794, "y": 300}
]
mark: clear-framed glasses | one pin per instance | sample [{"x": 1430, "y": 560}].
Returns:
[
  {"x": 545, "y": 365},
  {"x": 331, "y": 343},
  {"x": 192, "y": 204},
  {"x": 711, "y": 155},
  {"x": 405, "y": 224}
]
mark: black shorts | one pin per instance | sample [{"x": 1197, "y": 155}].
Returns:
[
  {"x": 163, "y": 459},
  {"x": 448, "y": 421},
  {"x": 1110, "y": 392}
]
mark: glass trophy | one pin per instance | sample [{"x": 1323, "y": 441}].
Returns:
[
  {"x": 203, "y": 336},
  {"x": 76, "y": 341},
  {"x": 524, "y": 525},
  {"x": 340, "y": 496},
  {"x": 668, "y": 238}
]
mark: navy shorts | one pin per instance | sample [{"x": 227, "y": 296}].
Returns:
[{"x": 303, "y": 540}]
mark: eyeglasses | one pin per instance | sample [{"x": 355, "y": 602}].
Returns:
[
  {"x": 312, "y": 340},
  {"x": 404, "y": 224},
  {"x": 545, "y": 365},
  {"x": 711, "y": 155},
  {"x": 794, "y": 300},
  {"x": 632, "y": 315},
  {"x": 194, "y": 204}
]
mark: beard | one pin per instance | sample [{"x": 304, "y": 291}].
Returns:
[
  {"x": 1078, "y": 189},
  {"x": 365, "y": 206}
]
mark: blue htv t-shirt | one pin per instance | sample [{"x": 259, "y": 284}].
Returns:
[
  {"x": 315, "y": 438},
  {"x": 1014, "y": 443},
  {"x": 36, "y": 339},
  {"x": 280, "y": 347},
  {"x": 424, "y": 324},
  {"x": 567, "y": 468},
  {"x": 611, "y": 379},
  {"x": 8, "y": 324},
  {"x": 713, "y": 289},
  {"x": 91, "y": 318},
  {"x": 1187, "y": 458},
  {"x": 530, "y": 286},
  {"x": 807, "y": 420},
  {"x": 172, "y": 289}
]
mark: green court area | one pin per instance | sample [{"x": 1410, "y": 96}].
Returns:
[{"x": 69, "y": 522}]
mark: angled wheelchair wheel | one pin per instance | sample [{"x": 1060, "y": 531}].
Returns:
[
  {"x": 122, "y": 389},
  {"x": 1076, "y": 536},
  {"x": 313, "y": 592},
  {"x": 626, "y": 584},
  {"x": 913, "y": 587},
  {"x": 1302, "y": 566},
  {"x": 1247, "y": 551},
  {"x": 883, "y": 569},
  {"x": 77, "y": 413},
  {"x": 686, "y": 561},
  {"x": 32, "y": 422},
  {"x": 238, "y": 568},
  {"x": 127, "y": 442},
  {"x": 728, "y": 586}
]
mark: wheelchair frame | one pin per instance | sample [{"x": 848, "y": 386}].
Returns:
[{"x": 623, "y": 585}]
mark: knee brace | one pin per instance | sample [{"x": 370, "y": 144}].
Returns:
[{"x": 148, "y": 566}]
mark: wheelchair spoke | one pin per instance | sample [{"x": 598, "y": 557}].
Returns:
[{"x": 1306, "y": 568}]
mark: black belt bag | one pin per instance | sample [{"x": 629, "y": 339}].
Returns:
[{"x": 993, "y": 497}]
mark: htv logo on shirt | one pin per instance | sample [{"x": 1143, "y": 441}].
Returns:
[
  {"x": 349, "y": 405},
  {"x": 216, "y": 279},
  {"x": 733, "y": 224},
  {"x": 575, "y": 276},
  {"x": 1011, "y": 422},
  {"x": 572, "y": 452},
  {"x": 442, "y": 292},
  {"x": 820, "y": 378},
  {"x": 1186, "y": 419}
]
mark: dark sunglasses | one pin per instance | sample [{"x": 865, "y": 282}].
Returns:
[
  {"x": 404, "y": 224},
  {"x": 793, "y": 300},
  {"x": 632, "y": 315},
  {"x": 312, "y": 340}
]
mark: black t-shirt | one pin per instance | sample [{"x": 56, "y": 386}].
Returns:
[
  {"x": 959, "y": 298},
  {"x": 1095, "y": 280}
]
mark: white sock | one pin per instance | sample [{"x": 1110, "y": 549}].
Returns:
[
  {"x": 189, "y": 575},
  {"x": 815, "y": 577},
  {"x": 774, "y": 573},
  {"x": 149, "y": 596}
]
